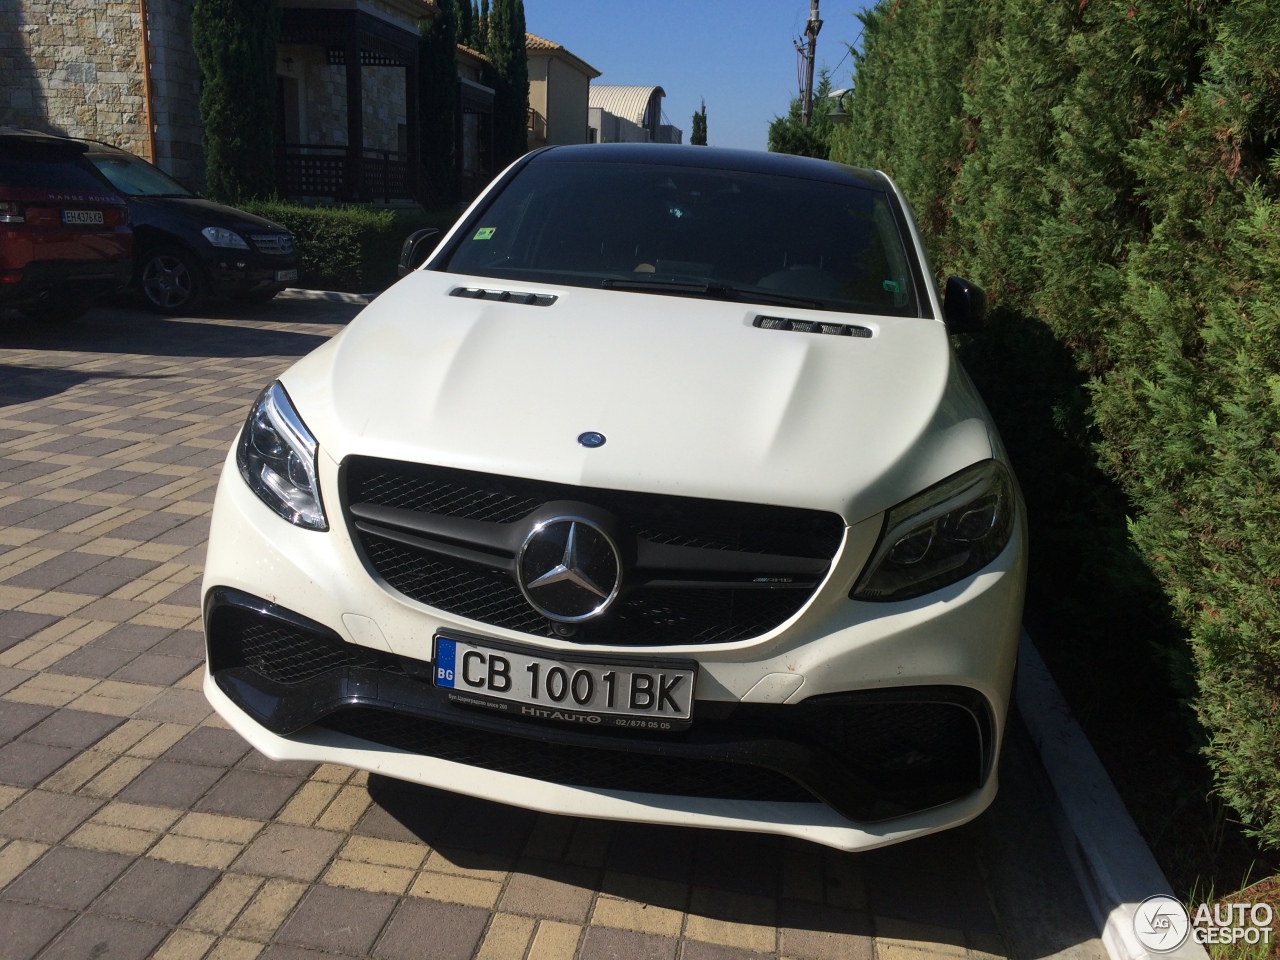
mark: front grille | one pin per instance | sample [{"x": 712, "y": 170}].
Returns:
[
  {"x": 652, "y": 616},
  {"x": 569, "y": 764},
  {"x": 653, "y": 607},
  {"x": 280, "y": 244}
]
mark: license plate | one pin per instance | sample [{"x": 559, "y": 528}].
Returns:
[
  {"x": 286, "y": 274},
  {"x": 637, "y": 695},
  {"x": 82, "y": 217}
]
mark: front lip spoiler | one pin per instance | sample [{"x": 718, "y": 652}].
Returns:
[{"x": 402, "y": 686}]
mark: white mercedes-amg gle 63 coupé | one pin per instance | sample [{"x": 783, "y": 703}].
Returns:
[{"x": 656, "y": 493}]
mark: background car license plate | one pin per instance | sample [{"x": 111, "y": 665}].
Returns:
[
  {"x": 286, "y": 275},
  {"x": 82, "y": 217},
  {"x": 649, "y": 696}
]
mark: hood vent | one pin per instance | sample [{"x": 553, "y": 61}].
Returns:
[
  {"x": 812, "y": 326},
  {"x": 504, "y": 296}
]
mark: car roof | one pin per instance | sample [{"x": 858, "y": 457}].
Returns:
[
  {"x": 97, "y": 146},
  {"x": 718, "y": 158},
  {"x": 18, "y": 136}
]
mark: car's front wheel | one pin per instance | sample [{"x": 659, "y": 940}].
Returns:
[{"x": 171, "y": 280}]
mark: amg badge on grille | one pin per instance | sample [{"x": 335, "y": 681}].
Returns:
[{"x": 569, "y": 569}]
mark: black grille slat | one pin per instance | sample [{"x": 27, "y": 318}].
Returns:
[
  {"x": 466, "y": 590},
  {"x": 408, "y": 492},
  {"x": 652, "y": 611},
  {"x": 568, "y": 763}
]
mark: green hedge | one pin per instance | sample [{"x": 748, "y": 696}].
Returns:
[
  {"x": 353, "y": 249},
  {"x": 1110, "y": 171}
]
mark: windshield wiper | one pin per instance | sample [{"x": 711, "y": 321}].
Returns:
[{"x": 719, "y": 291}]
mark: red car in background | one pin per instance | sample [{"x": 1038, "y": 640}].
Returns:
[{"x": 65, "y": 237}]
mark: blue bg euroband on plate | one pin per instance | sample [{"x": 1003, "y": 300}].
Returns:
[{"x": 446, "y": 650}]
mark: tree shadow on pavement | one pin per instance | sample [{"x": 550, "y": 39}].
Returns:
[
  {"x": 121, "y": 331},
  {"x": 20, "y": 384},
  {"x": 984, "y": 886}
]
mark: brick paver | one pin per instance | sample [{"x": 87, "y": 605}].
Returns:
[{"x": 133, "y": 823}]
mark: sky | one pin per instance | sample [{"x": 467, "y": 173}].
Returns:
[{"x": 737, "y": 54}]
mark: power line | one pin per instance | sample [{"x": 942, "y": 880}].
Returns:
[{"x": 848, "y": 50}]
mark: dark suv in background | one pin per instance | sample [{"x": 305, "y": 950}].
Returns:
[
  {"x": 64, "y": 234},
  {"x": 189, "y": 248}
]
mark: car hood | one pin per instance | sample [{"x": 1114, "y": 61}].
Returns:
[
  {"x": 209, "y": 213},
  {"x": 693, "y": 399}
]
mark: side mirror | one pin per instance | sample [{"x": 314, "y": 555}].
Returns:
[
  {"x": 416, "y": 249},
  {"x": 964, "y": 306}
]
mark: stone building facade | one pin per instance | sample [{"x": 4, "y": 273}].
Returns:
[{"x": 76, "y": 67}]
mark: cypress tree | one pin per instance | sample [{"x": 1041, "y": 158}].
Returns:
[
  {"x": 508, "y": 53},
  {"x": 438, "y": 101},
  {"x": 482, "y": 26},
  {"x": 698, "y": 137},
  {"x": 465, "y": 23},
  {"x": 235, "y": 44}
]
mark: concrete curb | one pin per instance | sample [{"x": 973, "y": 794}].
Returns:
[
  {"x": 332, "y": 296},
  {"x": 1112, "y": 862}
]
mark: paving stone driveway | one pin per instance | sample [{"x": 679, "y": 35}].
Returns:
[{"x": 133, "y": 823}]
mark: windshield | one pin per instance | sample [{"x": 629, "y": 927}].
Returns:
[
  {"x": 137, "y": 178},
  {"x": 694, "y": 231}
]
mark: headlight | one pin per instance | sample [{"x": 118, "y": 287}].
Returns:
[
  {"x": 221, "y": 237},
  {"x": 277, "y": 458},
  {"x": 953, "y": 529}
]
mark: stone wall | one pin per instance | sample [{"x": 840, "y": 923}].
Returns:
[
  {"x": 323, "y": 91},
  {"x": 73, "y": 68},
  {"x": 175, "y": 80},
  {"x": 384, "y": 106}
]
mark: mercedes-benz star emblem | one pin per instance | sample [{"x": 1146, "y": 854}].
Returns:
[{"x": 569, "y": 569}]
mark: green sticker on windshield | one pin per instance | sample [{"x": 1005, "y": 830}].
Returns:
[
  {"x": 891, "y": 286},
  {"x": 485, "y": 233}
]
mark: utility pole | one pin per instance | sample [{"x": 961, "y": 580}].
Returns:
[{"x": 811, "y": 31}]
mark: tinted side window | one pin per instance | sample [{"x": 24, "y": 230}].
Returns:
[{"x": 48, "y": 170}]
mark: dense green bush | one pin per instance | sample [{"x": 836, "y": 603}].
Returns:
[
  {"x": 353, "y": 249},
  {"x": 1111, "y": 172},
  {"x": 235, "y": 44}
]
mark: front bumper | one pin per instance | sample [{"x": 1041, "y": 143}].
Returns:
[
  {"x": 235, "y": 273},
  {"x": 757, "y": 757}
]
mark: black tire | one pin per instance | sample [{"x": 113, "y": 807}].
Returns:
[
  {"x": 56, "y": 311},
  {"x": 171, "y": 280}
]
